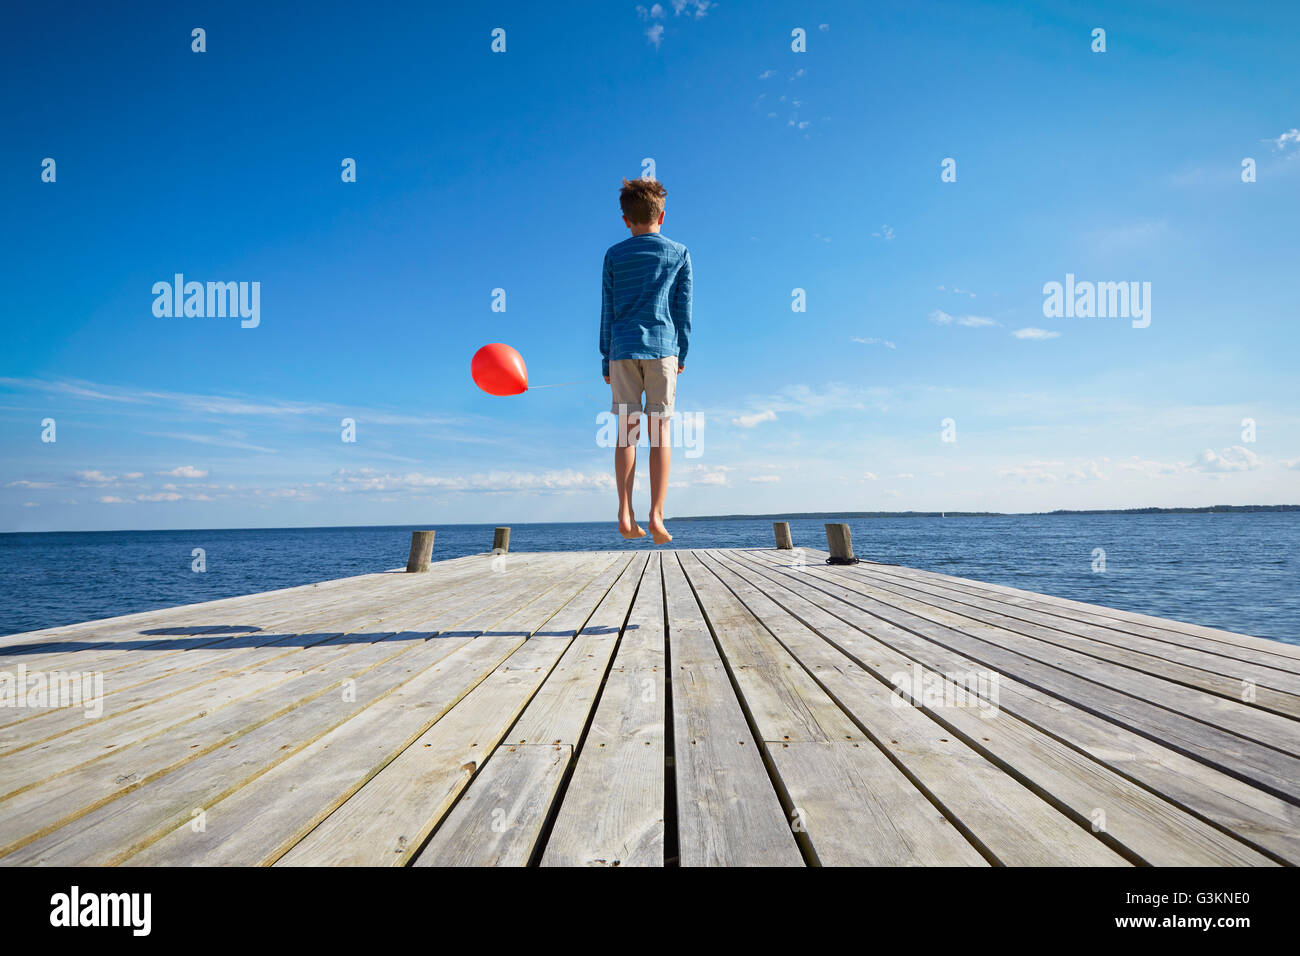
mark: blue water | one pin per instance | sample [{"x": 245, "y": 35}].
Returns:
[{"x": 1234, "y": 571}]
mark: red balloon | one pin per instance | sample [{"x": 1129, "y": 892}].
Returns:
[{"x": 499, "y": 370}]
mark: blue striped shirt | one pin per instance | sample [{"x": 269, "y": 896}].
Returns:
[{"x": 645, "y": 300}]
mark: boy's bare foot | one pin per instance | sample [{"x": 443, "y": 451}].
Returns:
[
  {"x": 659, "y": 532},
  {"x": 630, "y": 529}
]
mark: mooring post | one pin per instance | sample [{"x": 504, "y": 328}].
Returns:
[
  {"x": 501, "y": 541},
  {"x": 783, "y": 540},
  {"x": 421, "y": 551},
  {"x": 839, "y": 542}
]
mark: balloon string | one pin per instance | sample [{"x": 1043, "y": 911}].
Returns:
[{"x": 556, "y": 385}]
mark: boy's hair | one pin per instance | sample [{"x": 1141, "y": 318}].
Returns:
[{"x": 642, "y": 200}]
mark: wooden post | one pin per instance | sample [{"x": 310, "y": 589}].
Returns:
[
  {"x": 421, "y": 551},
  {"x": 501, "y": 541},
  {"x": 783, "y": 540},
  {"x": 840, "y": 543}
]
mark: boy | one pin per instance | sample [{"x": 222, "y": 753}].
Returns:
[{"x": 645, "y": 326}]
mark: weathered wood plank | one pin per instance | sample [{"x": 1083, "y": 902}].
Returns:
[
  {"x": 1275, "y": 690},
  {"x": 313, "y": 639},
  {"x": 1132, "y": 634},
  {"x": 728, "y": 812},
  {"x": 1191, "y": 635},
  {"x": 60, "y": 800},
  {"x": 501, "y": 817},
  {"x": 559, "y": 712},
  {"x": 856, "y": 809},
  {"x": 1253, "y": 726},
  {"x": 405, "y": 689},
  {"x": 784, "y": 703},
  {"x": 1255, "y": 816},
  {"x": 1007, "y": 818},
  {"x": 612, "y": 812},
  {"x": 388, "y": 819},
  {"x": 1152, "y": 829}
]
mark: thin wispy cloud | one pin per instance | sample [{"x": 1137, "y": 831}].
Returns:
[
  {"x": 186, "y": 471},
  {"x": 1290, "y": 138},
  {"x": 939, "y": 317},
  {"x": 1233, "y": 458},
  {"x": 749, "y": 421}
]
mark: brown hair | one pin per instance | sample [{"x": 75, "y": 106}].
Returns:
[{"x": 642, "y": 200}]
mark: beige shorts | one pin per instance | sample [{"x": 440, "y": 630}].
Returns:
[{"x": 628, "y": 378}]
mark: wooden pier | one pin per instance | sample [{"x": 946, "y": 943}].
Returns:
[{"x": 677, "y": 707}]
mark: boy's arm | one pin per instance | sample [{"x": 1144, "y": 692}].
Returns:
[
  {"x": 606, "y": 314},
  {"x": 681, "y": 309}
]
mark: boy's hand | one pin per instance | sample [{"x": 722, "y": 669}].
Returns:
[
  {"x": 680, "y": 369},
  {"x": 606, "y": 379}
]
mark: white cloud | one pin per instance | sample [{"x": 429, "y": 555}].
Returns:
[
  {"x": 757, "y": 418},
  {"x": 905, "y": 474},
  {"x": 703, "y": 474},
  {"x": 1087, "y": 471},
  {"x": 1035, "y": 334},
  {"x": 211, "y": 440},
  {"x": 368, "y": 480},
  {"x": 111, "y": 500},
  {"x": 1290, "y": 138},
  {"x": 939, "y": 317},
  {"x": 956, "y": 291},
  {"x": 699, "y": 7},
  {"x": 885, "y": 342},
  {"x": 868, "y": 476},
  {"x": 886, "y": 233},
  {"x": 96, "y": 477},
  {"x": 1150, "y": 469},
  {"x": 160, "y": 496},
  {"x": 185, "y": 471},
  {"x": 655, "y": 35},
  {"x": 1233, "y": 458},
  {"x": 1031, "y": 472},
  {"x": 24, "y": 483},
  {"x": 765, "y": 479},
  {"x": 767, "y": 74}
]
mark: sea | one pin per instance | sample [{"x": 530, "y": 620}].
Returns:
[{"x": 1237, "y": 571}]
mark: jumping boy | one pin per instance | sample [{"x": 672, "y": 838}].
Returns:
[{"x": 645, "y": 326}]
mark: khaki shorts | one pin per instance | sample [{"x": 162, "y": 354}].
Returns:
[{"x": 628, "y": 378}]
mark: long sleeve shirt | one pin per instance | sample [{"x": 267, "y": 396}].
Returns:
[{"x": 645, "y": 302}]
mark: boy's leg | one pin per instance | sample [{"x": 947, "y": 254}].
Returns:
[
  {"x": 625, "y": 385},
  {"x": 625, "y": 475},
  {"x": 660, "y": 459},
  {"x": 661, "y": 391}
]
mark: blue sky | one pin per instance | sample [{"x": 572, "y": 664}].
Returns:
[{"x": 477, "y": 170}]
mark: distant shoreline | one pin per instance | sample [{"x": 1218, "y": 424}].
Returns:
[
  {"x": 1211, "y": 509},
  {"x": 781, "y": 516}
]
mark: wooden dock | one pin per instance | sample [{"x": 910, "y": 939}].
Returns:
[{"x": 691, "y": 707}]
